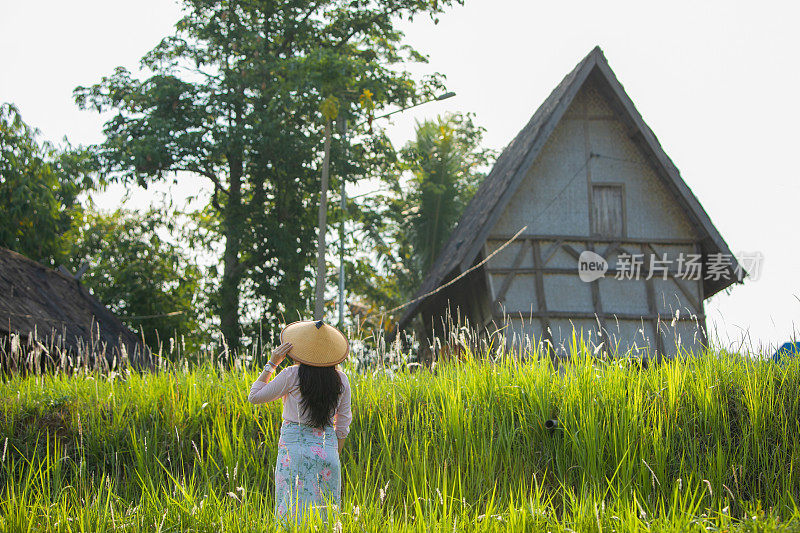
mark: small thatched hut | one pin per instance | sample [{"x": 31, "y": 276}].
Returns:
[
  {"x": 592, "y": 199},
  {"x": 47, "y": 310}
]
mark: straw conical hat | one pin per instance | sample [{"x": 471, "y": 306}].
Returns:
[{"x": 315, "y": 343}]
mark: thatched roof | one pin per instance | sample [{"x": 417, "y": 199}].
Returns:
[
  {"x": 491, "y": 198},
  {"x": 34, "y": 298}
]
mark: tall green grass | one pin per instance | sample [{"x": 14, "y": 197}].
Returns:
[{"x": 688, "y": 445}]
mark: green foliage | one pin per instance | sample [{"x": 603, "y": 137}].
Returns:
[
  {"x": 39, "y": 190},
  {"x": 695, "y": 444},
  {"x": 234, "y": 99},
  {"x": 142, "y": 271},
  {"x": 445, "y": 160},
  {"x": 408, "y": 225}
]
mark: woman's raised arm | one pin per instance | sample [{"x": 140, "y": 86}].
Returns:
[{"x": 263, "y": 392}]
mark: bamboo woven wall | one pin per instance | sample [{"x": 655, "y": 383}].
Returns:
[{"x": 591, "y": 145}]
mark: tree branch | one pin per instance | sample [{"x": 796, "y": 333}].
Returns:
[
  {"x": 207, "y": 173},
  {"x": 363, "y": 27},
  {"x": 287, "y": 38}
]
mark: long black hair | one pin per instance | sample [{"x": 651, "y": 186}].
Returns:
[{"x": 320, "y": 387}]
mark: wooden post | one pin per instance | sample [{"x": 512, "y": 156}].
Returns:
[
  {"x": 597, "y": 305},
  {"x": 501, "y": 295},
  {"x": 343, "y": 205},
  {"x": 541, "y": 301},
  {"x": 652, "y": 305},
  {"x": 319, "y": 293},
  {"x": 701, "y": 312}
]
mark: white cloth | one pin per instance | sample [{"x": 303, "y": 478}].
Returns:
[{"x": 286, "y": 385}]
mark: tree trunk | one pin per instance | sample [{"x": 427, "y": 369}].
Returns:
[
  {"x": 319, "y": 293},
  {"x": 231, "y": 276}
]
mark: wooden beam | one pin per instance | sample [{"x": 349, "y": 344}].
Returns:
[
  {"x": 689, "y": 296},
  {"x": 560, "y": 270},
  {"x": 551, "y": 251},
  {"x": 590, "y": 117},
  {"x": 550, "y": 314},
  {"x": 595, "y": 239},
  {"x": 570, "y": 250},
  {"x": 610, "y": 249},
  {"x": 501, "y": 295}
]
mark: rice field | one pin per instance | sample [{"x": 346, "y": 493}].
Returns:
[{"x": 706, "y": 443}]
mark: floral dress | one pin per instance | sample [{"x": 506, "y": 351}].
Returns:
[{"x": 307, "y": 472}]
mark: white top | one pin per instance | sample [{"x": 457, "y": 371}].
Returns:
[{"x": 286, "y": 385}]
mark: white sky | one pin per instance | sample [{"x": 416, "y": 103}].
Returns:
[{"x": 716, "y": 81}]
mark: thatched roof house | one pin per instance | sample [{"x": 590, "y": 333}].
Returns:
[
  {"x": 585, "y": 178},
  {"x": 39, "y": 303}
]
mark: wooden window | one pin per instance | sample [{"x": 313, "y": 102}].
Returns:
[{"x": 608, "y": 213}]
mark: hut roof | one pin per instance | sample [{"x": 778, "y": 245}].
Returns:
[
  {"x": 466, "y": 241},
  {"x": 36, "y": 298}
]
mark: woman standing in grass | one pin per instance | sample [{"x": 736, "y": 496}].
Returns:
[{"x": 316, "y": 416}]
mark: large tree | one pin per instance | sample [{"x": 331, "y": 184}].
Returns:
[
  {"x": 40, "y": 186},
  {"x": 234, "y": 99}
]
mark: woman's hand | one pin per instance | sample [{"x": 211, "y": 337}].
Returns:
[{"x": 279, "y": 353}]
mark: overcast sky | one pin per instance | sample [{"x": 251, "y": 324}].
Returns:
[{"x": 716, "y": 81}]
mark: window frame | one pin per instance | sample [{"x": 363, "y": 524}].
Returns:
[{"x": 593, "y": 223}]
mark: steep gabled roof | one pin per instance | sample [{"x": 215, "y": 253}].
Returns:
[
  {"x": 36, "y": 298},
  {"x": 491, "y": 198}
]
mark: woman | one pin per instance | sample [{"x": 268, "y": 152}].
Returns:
[{"x": 316, "y": 417}]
